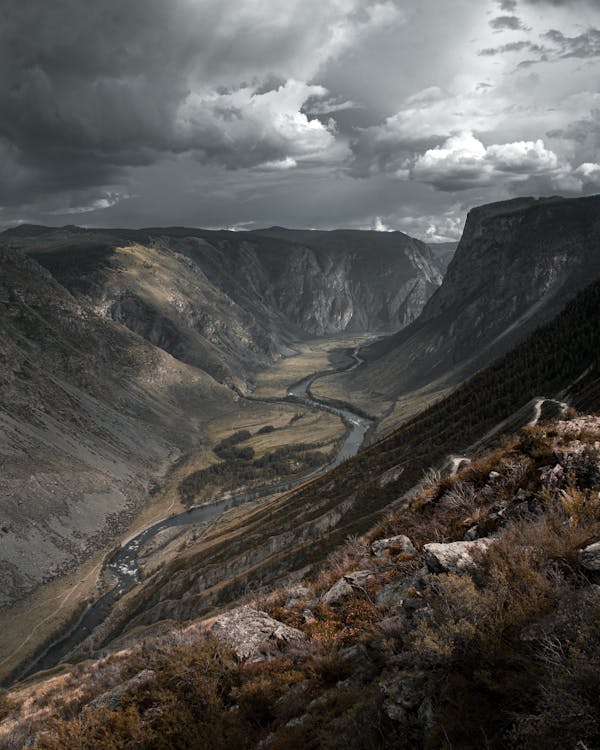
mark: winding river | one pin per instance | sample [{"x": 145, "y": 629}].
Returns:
[{"x": 123, "y": 563}]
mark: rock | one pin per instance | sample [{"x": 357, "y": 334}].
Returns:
[
  {"x": 112, "y": 698},
  {"x": 403, "y": 692},
  {"x": 395, "y": 594},
  {"x": 250, "y": 632},
  {"x": 493, "y": 475},
  {"x": 308, "y": 616},
  {"x": 393, "y": 545},
  {"x": 471, "y": 534},
  {"x": 590, "y": 557},
  {"x": 454, "y": 557},
  {"x": 296, "y": 595},
  {"x": 346, "y": 586}
]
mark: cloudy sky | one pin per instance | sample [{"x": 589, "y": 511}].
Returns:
[{"x": 381, "y": 114}]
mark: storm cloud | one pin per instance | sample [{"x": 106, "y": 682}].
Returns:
[{"x": 315, "y": 113}]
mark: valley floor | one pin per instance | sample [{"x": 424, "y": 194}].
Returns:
[{"x": 34, "y": 621}]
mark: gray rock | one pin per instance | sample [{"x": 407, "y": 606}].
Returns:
[
  {"x": 589, "y": 557},
  {"x": 347, "y": 586},
  {"x": 393, "y": 594},
  {"x": 403, "y": 692},
  {"x": 393, "y": 545},
  {"x": 112, "y": 698},
  {"x": 296, "y": 595},
  {"x": 250, "y": 633},
  {"x": 454, "y": 557}
]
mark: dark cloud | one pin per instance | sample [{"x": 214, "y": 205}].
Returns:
[
  {"x": 506, "y": 23},
  {"x": 226, "y": 112},
  {"x": 513, "y": 47},
  {"x": 87, "y": 90},
  {"x": 559, "y": 47},
  {"x": 584, "y": 45}
]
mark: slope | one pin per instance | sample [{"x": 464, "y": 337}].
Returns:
[{"x": 90, "y": 416}]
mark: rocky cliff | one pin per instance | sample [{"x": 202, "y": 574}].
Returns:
[
  {"x": 517, "y": 264},
  {"x": 399, "y": 640}
]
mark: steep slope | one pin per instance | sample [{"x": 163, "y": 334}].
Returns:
[
  {"x": 516, "y": 265},
  {"x": 230, "y": 302},
  {"x": 472, "y": 612},
  {"x": 90, "y": 416},
  {"x": 290, "y": 532}
]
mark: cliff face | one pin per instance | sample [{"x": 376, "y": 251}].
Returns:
[
  {"x": 230, "y": 302},
  {"x": 516, "y": 266}
]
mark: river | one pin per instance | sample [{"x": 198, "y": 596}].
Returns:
[{"x": 123, "y": 564}]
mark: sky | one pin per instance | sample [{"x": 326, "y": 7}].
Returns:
[{"x": 372, "y": 114}]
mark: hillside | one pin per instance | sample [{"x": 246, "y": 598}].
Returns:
[
  {"x": 471, "y": 612},
  {"x": 517, "y": 264},
  {"x": 91, "y": 417},
  {"x": 289, "y": 532}
]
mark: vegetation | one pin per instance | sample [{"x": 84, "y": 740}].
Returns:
[
  {"x": 504, "y": 656},
  {"x": 239, "y": 468}
]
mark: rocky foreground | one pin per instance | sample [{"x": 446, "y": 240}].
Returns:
[{"x": 469, "y": 618}]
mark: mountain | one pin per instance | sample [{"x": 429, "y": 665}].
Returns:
[
  {"x": 117, "y": 347},
  {"x": 516, "y": 265},
  {"x": 229, "y": 302},
  {"x": 90, "y": 414}
]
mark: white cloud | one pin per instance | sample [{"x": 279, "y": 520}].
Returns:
[
  {"x": 380, "y": 226},
  {"x": 588, "y": 175},
  {"x": 464, "y": 162},
  {"x": 247, "y": 129}
]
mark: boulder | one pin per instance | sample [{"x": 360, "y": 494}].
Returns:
[
  {"x": 252, "y": 633},
  {"x": 589, "y": 557},
  {"x": 393, "y": 545},
  {"x": 346, "y": 586},
  {"x": 454, "y": 557}
]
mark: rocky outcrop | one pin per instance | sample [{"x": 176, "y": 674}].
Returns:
[
  {"x": 590, "y": 557},
  {"x": 230, "y": 302},
  {"x": 253, "y": 635},
  {"x": 393, "y": 545},
  {"x": 347, "y": 586},
  {"x": 454, "y": 557}
]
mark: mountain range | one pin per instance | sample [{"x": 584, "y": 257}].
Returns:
[{"x": 122, "y": 348}]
